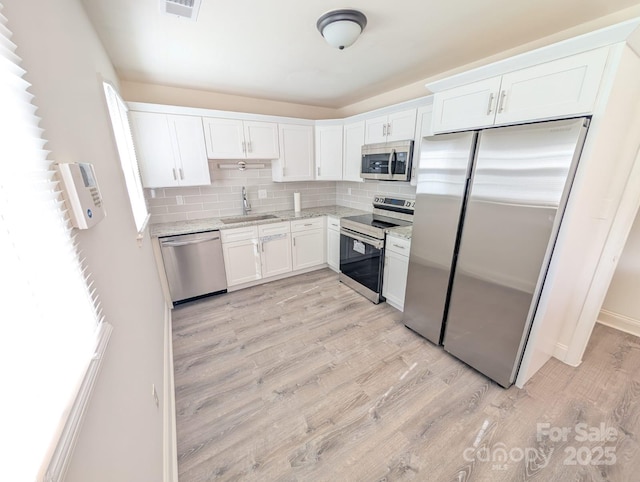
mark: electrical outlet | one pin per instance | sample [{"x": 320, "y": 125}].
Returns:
[
  {"x": 154, "y": 392},
  {"x": 262, "y": 194},
  {"x": 179, "y": 200}
]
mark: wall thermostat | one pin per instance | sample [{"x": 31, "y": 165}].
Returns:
[{"x": 81, "y": 194}]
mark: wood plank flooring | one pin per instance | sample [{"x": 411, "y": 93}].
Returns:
[{"x": 305, "y": 380}]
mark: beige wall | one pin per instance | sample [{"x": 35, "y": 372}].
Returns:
[
  {"x": 121, "y": 439},
  {"x": 162, "y": 94},
  {"x": 622, "y": 297}
]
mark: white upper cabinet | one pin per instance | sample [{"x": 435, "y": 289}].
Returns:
[
  {"x": 466, "y": 107},
  {"x": 398, "y": 126},
  {"x": 296, "y": 154},
  {"x": 170, "y": 149},
  {"x": 423, "y": 129},
  {"x": 560, "y": 88},
  {"x": 240, "y": 139},
  {"x": 352, "y": 151},
  {"x": 328, "y": 142}
]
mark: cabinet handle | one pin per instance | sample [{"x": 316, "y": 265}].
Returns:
[
  {"x": 490, "y": 106},
  {"x": 181, "y": 173},
  {"x": 175, "y": 176},
  {"x": 398, "y": 246},
  {"x": 294, "y": 241},
  {"x": 249, "y": 148},
  {"x": 244, "y": 146},
  {"x": 503, "y": 94},
  {"x": 388, "y": 129},
  {"x": 309, "y": 224},
  {"x": 384, "y": 130},
  {"x": 318, "y": 170},
  {"x": 262, "y": 246}
]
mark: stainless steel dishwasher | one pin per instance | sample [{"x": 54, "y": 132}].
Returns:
[{"x": 194, "y": 265}]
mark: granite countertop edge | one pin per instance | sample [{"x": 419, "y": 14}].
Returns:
[{"x": 191, "y": 226}]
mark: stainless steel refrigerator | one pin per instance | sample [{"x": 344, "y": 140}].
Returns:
[{"x": 488, "y": 209}]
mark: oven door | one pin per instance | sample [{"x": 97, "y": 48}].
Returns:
[{"x": 361, "y": 264}]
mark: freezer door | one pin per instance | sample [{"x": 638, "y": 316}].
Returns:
[
  {"x": 443, "y": 172},
  {"x": 521, "y": 180}
]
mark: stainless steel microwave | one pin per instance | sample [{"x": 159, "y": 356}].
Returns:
[{"x": 387, "y": 161}]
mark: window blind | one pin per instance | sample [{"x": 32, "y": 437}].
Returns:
[{"x": 52, "y": 331}]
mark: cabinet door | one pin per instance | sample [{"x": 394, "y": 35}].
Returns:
[
  {"x": 395, "y": 279},
  {"x": 275, "y": 252},
  {"x": 376, "y": 130},
  {"x": 333, "y": 248},
  {"x": 423, "y": 129},
  {"x": 242, "y": 261},
  {"x": 329, "y": 153},
  {"x": 468, "y": 106},
  {"x": 308, "y": 248},
  {"x": 261, "y": 140},
  {"x": 224, "y": 138},
  {"x": 153, "y": 143},
  {"x": 352, "y": 156},
  {"x": 190, "y": 150},
  {"x": 401, "y": 125},
  {"x": 554, "y": 89},
  {"x": 296, "y": 153}
]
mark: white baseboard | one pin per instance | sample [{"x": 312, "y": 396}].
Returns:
[
  {"x": 619, "y": 322},
  {"x": 561, "y": 352},
  {"x": 170, "y": 446},
  {"x": 262, "y": 281}
]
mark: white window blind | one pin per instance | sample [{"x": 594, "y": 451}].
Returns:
[
  {"x": 124, "y": 141},
  {"x": 50, "y": 317}
]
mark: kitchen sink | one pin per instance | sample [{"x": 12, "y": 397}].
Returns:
[{"x": 246, "y": 219}]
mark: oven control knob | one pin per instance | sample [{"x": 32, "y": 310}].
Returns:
[{"x": 407, "y": 203}]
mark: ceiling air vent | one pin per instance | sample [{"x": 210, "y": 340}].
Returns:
[{"x": 182, "y": 8}]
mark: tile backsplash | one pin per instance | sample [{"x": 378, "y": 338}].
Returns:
[{"x": 223, "y": 197}]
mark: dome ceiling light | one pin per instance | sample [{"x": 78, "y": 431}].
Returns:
[{"x": 341, "y": 28}]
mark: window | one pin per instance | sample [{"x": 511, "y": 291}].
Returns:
[
  {"x": 50, "y": 324},
  {"x": 128, "y": 160}
]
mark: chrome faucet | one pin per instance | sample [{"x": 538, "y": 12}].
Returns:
[{"x": 246, "y": 207}]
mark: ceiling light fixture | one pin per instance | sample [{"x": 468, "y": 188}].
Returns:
[{"x": 341, "y": 28}]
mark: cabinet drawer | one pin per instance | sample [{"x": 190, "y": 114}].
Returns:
[
  {"x": 239, "y": 234},
  {"x": 398, "y": 245},
  {"x": 275, "y": 228},
  {"x": 333, "y": 223},
  {"x": 307, "y": 224}
]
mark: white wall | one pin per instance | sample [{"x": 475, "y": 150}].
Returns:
[
  {"x": 121, "y": 439},
  {"x": 223, "y": 196},
  {"x": 622, "y": 299}
]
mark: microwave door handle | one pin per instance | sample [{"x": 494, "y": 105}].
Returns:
[{"x": 392, "y": 163}]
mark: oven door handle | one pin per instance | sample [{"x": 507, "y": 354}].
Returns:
[{"x": 376, "y": 243}]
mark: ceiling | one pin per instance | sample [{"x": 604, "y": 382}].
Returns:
[{"x": 272, "y": 49}]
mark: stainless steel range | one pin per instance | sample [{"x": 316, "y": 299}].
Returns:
[{"x": 362, "y": 244}]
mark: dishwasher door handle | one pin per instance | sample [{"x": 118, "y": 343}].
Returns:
[{"x": 174, "y": 244}]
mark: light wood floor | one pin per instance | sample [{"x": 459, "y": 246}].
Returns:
[{"x": 304, "y": 379}]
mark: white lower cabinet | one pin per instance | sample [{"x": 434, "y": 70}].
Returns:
[
  {"x": 308, "y": 243},
  {"x": 242, "y": 262},
  {"x": 333, "y": 243},
  {"x": 275, "y": 249},
  {"x": 254, "y": 253},
  {"x": 396, "y": 266}
]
